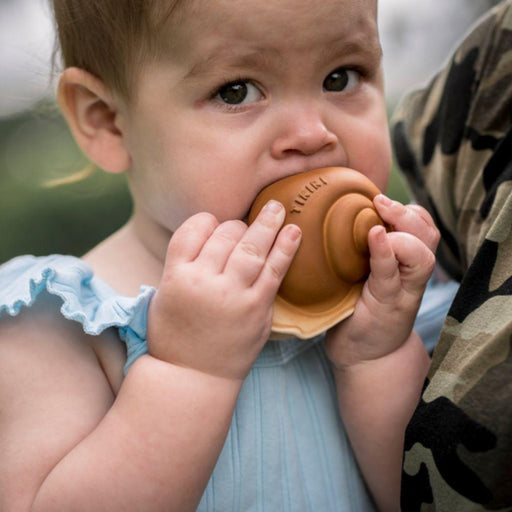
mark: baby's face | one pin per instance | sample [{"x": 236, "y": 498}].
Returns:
[{"x": 252, "y": 91}]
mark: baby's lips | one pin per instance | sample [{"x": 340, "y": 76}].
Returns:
[{"x": 334, "y": 208}]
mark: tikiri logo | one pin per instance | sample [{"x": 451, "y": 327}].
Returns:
[{"x": 302, "y": 198}]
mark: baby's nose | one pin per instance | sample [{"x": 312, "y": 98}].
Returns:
[{"x": 302, "y": 132}]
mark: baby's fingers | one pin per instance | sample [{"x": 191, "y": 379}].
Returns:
[
  {"x": 384, "y": 281},
  {"x": 280, "y": 258},
  {"x": 416, "y": 260},
  {"x": 412, "y": 219},
  {"x": 218, "y": 247},
  {"x": 398, "y": 261},
  {"x": 250, "y": 254},
  {"x": 188, "y": 240}
]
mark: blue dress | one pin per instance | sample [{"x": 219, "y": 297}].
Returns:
[{"x": 286, "y": 450}]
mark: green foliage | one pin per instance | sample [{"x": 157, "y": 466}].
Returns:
[
  {"x": 36, "y": 148},
  {"x": 397, "y": 187}
]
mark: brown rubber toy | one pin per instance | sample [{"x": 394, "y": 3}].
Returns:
[{"x": 333, "y": 206}]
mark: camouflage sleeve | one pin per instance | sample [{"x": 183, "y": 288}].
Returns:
[{"x": 453, "y": 141}]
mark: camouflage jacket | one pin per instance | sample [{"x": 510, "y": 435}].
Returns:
[{"x": 453, "y": 141}]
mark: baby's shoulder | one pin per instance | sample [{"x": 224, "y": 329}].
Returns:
[
  {"x": 61, "y": 292},
  {"x": 40, "y": 341}
]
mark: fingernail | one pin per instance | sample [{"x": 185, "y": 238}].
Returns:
[
  {"x": 381, "y": 233},
  {"x": 273, "y": 206},
  {"x": 383, "y": 200},
  {"x": 294, "y": 232}
]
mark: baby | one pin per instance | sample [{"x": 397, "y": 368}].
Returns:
[{"x": 175, "y": 399}]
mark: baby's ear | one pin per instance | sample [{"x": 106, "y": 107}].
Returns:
[{"x": 93, "y": 117}]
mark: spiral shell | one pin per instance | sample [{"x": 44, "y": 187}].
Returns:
[{"x": 333, "y": 206}]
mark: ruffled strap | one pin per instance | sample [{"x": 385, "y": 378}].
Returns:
[{"x": 85, "y": 298}]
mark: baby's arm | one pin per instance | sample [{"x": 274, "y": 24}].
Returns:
[
  {"x": 67, "y": 443},
  {"x": 380, "y": 363}
]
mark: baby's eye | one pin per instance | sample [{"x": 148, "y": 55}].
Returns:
[
  {"x": 238, "y": 93},
  {"x": 341, "y": 79}
]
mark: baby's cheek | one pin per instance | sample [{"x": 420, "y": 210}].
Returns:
[
  {"x": 379, "y": 166},
  {"x": 379, "y": 175}
]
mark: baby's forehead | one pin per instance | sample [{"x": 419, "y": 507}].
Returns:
[
  {"x": 255, "y": 11},
  {"x": 277, "y": 21}
]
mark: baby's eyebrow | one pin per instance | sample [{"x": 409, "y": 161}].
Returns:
[
  {"x": 367, "y": 49},
  {"x": 227, "y": 59}
]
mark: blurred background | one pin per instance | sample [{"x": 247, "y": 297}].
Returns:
[{"x": 36, "y": 148}]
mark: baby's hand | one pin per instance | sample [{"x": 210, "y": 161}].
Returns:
[
  {"x": 401, "y": 263},
  {"x": 213, "y": 309}
]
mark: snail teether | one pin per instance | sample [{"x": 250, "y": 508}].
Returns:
[{"x": 333, "y": 206}]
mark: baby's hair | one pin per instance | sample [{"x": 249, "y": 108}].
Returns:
[
  {"x": 111, "y": 38},
  {"x": 76, "y": 177}
]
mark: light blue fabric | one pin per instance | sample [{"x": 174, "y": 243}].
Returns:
[
  {"x": 286, "y": 450},
  {"x": 436, "y": 302},
  {"x": 85, "y": 299}
]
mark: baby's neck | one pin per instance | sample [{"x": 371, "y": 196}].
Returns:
[{"x": 126, "y": 260}]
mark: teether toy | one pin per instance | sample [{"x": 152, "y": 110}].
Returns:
[{"x": 333, "y": 206}]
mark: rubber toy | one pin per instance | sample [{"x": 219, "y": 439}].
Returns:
[{"x": 333, "y": 207}]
